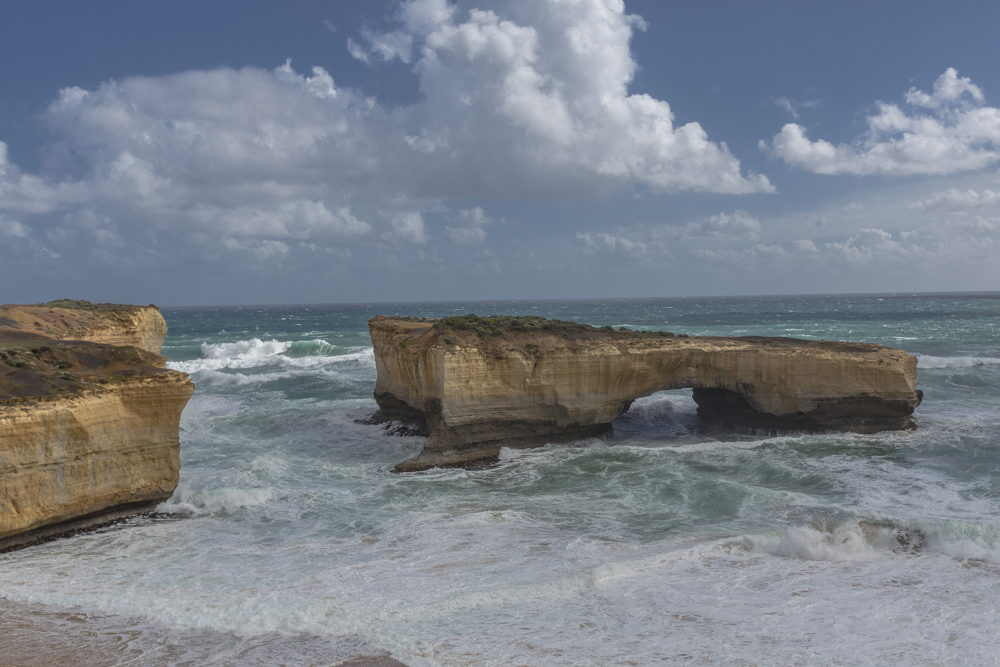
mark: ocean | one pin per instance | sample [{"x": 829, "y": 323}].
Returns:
[{"x": 290, "y": 541}]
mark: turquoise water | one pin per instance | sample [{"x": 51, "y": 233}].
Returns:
[{"x": 672, "y": 542}]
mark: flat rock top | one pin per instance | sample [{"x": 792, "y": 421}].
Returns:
[
  {"x": 32, "y": 370},
  {"x": 57, "y": 318},
  {"x": 502, "y": 332},
  {"x": 35, "y": 365}
]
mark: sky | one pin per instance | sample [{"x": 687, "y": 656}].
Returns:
[{"x": 192, "y": 153}]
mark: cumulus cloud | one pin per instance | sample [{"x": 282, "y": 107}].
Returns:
[
  {"x": 408, "y": 227},
  {"x": 738, "y": 225},
  {"x": 31, "y": 194},
  {"x": 542, "y": 88},
  {"x": 525, "y": 99},
  {"x": 946, "y": 131}
]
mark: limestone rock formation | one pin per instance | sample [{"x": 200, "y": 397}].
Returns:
[
  {"x": 114, "y": 324},
  {"x": 88, "y": 430},
  {"x": 479, "y": 384}
]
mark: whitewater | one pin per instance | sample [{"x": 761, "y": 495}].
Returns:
[{"x": 290, "y": 541}]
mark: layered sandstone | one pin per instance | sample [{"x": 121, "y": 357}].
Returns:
[
  {"x": 114, "y": 324},
  {"x": 479, "y": 384},
  {"x": 77, "y": 460},
  {"x": 89, "y": 431}
]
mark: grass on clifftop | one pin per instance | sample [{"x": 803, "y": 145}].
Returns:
[
  {"x": 74, "y": 304},
  {"x": 501, "y": 325}
]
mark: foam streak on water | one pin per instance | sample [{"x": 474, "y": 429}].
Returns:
[{"x": 674, "y": 542}]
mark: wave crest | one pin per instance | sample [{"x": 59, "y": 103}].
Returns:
[
  {"x": 212, "y": 501},
  {"x": 861, "y": 539},
  {"x": 257, "y": 353}
]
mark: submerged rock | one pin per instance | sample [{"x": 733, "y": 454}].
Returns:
[{"x": 479, "y": 384}]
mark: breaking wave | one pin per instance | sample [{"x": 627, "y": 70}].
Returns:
[
  {"x": 257, "y": 353},
  {"x": 212, "y": 501},
  {"x": 862, "y": 539}
]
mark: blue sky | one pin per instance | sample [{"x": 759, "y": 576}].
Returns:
[{"x": 488, "y": 149}]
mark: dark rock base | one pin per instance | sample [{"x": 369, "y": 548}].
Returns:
[
  {"x": 858, "y": 414},
  {"x": 84, "y": 524}
]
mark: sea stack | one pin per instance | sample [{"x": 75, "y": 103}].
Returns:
[
  {"x": 89, "y": 417},
  {"x": 474, "y": 384}
]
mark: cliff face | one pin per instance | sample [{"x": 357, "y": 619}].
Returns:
[
  {"x": 88, "y": 430},
  {"x": 75, "y": 460},
  {"x": 526, "y": 386},
  {"x": 113, "y": 324}
]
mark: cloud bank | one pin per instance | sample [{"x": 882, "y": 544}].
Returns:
[
  {"x": 525, "y": 100},
  {"x": 943, "y": 132}
]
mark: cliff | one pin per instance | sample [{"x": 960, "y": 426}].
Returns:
[
  {"x": 478, "y": 384},
  {"x": 113, "y": 324},
  {"x": 88, "y": 430}
]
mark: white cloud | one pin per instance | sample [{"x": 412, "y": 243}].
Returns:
[
  {"x": 722, "y": 226},
  {"x": 947, "y": 131},
  {"x": 395, "y": 44},
  {"x": 302, "y": 219},
  {"x": 30, "y": 194},
  {"x": 608, "y": 244},
  {"x": 639, "y": 241},
  {"x": 948, "y": 89},
  {"x": 469, "y": 230},
  {"x": 958, "y": 200},
  {"x": 793, "y": 106},
  {"x": 787, "y": 105},
  {"x": 408, "y": 227},
  {"x": 525, "y": 100},
  {"x": 13, "y": 228},
  {"x": 358, "y": 52},
  {"x": 548, "y": 97}
]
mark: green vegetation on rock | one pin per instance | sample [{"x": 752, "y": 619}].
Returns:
[
  {"x": 501, "y": 325},
  {"x": 79, "y": 304}
]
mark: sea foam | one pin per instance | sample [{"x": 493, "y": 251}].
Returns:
[
  {"x": 862, "y": 539},
  {"x": 257, "y": 353},
  {"x": 211, "y": 501}
]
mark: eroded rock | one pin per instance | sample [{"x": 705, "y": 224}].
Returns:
[
  {"x": 88, "y": 429},
  {"x": 479, "y": 384}
]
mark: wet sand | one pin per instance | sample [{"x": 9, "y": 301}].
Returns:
[{"x": 33, "y": 635}]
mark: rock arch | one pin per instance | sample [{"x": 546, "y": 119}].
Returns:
[{"x": 474, "y": 391}]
